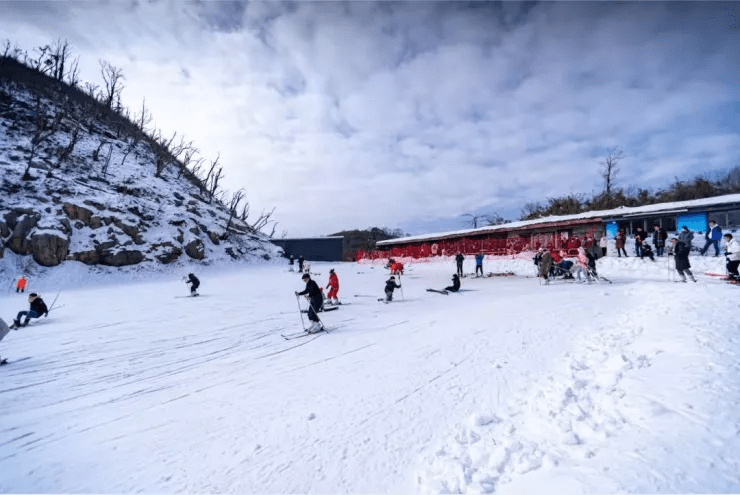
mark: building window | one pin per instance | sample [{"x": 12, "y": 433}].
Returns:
[
  {"x": 733, "y": 218},
  {"x": 668, "y": 223}
]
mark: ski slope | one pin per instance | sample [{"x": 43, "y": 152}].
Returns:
[{"x": 506, "y": 387}]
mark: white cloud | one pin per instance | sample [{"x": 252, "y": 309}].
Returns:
[{"x": 361, "y": 114}]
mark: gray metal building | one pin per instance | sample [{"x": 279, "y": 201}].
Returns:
[{"x": 313, "y": 248}]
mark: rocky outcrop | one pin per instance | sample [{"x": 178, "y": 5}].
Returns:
[
  {"x": 122, "y": 258},
  {"x": 75, "y": 212},
  {"x": 49, "y": 249},
  {"x": 195, "y": 249},
  {"x": 168, "y": 252},
  {"x": 86, "y": 257},
  {"x": 18, "y": 241}
]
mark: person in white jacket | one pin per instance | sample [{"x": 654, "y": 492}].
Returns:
[
  {"x": 602, "y": 244},
  {"x": 732, "y": 252}
]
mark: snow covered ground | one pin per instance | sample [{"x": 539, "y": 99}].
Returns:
[{"x": 509, "y": 386}]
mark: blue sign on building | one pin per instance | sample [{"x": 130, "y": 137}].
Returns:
[
  {"x": 611, "y": 230},
  {"x": 696, "y": 222}
]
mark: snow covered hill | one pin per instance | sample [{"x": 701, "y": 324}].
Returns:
[
  {"x": 507, "y": 387},
  {"x": 80, "y": 186}
]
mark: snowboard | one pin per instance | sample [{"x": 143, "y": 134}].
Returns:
[{"x": 439, "y": 291}]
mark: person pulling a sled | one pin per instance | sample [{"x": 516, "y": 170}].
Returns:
[
  {"x": 390, "y": 286},
  {"x": 315, "y": 301},
  {"x": 192, "y": 279},
  {"x": 38, "y": 308},
  {"x": 455, "y": 284},
  {"x": 21, "y": 285},
  {"x": 333, "y": 288},
  {"x": 680, "y": 252}
]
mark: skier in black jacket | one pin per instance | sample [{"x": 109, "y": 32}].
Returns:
[
  {"x": 192, "y": 279},
  {"x": 38, "y": 308},
  {"x": 459, "y": 259},
  {"x": 390, "y": 285},
  {"x": 315, "y": 300},
  {"x": 455, "y": 284}
]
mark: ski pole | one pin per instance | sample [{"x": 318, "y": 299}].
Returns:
[
  {"x": 54, "y": 301},
  {"x": 399, "y": 279},
  {"x": 299, "y": 311}
]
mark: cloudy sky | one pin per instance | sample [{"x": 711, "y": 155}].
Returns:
[{"x": 409, "y": 115}]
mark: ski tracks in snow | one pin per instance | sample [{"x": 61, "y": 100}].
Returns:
[{"x": 604, "y": 386}]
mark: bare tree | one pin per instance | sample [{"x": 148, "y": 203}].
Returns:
[
  {"x": 104, "y": 168},
  {"x": 44, "y": 129},
  {"x": 474, "y": 220},
  {"x": 113, "y": 84},
  {"x": 65, "y": 152},
  {"x": 92, "y": 90},
  {"x": 143, "y": 119},
  {"x": 233, "y": 206},
  {"x": 73, "y": 73},
  {"x": 610, "y": 169},
  {"x": 210, "y": 182},
  {"x": 96, "y": 153},
  {"x": 262, "y": 221},
  {"x": 496, "y": 219},
  {"x": 58, "y": 54},
  {"x": 131, "y": 146}
]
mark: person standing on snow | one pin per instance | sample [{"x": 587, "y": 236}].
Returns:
[
  {"x": 455, "y": 284},
  {"x": 545, "y": 263},
  {"x": 192, "y": 279},
  {"x": 315, "y": 301},
  {"x": 459, "y": 259},
  {"x": 602, "y": 244},
  {"x": 620, "y": 243},
  {"x": 300, "y": 263},
  {"x": 21, "y": 285},
  {"x": 686, "y": 236},
  {"x": 713, "y": 237},
  {"x": 38, "y": 308},
  {"x": 479, "y": 263},
  {"x": 390, "y": 285},
  {"x": 640, "y": 236},
  {"x": 333, "y": 287},
  {"x": 582, "y": 262},
  {"x": 732, "y": 252},
  {"x": 290, "y": 262},
  {"x": 659, "y": 237},
  {"x": 680, "y": 252}
]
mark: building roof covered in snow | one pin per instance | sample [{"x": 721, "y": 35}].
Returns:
[{"x": 580, "y": 218}]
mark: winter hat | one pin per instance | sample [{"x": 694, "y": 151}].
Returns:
[
  {"x": 33, "y": 294},
  {"x": 331, "y": 271},
  {"x": 393, "y": 278},
  {"x": 305, "y": 276}
]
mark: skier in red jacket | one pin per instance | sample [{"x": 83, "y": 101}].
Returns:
[{"x": 333, "y": 288}]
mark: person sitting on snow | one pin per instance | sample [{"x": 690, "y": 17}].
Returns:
[
  {"x": 647, "y": 251},
  {"x": 455, "y": 284},
  {"x": 333, "y": 288},
  {"x": 38, "y": 308},
  {"x": 390, "y": 285}
]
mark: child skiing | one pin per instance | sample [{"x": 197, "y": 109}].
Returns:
[
  {"x": 21, "y": 285},
  {"x": 390, "y": 285},
  {"x": 38, "y": 308},
  {"x": 333, "y": 287},
  {"x": 315, "y": 301},
  {"x": 192, "y": 279}
]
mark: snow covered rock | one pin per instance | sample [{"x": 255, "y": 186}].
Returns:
[{"x": 49, "y": 248}]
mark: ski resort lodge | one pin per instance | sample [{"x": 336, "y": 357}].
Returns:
[{"x": 565, "y": 232}]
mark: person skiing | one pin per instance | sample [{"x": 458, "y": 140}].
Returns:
[
  {"x": 390, "y": 285},
  {"x": 602, "y": 244},
  {"x": 640, "y": 236},
  {"x": 192, "y": 279},
  {"x": 300, "y": 263},
  {"x": 659, "y": 238},
  {"x": 680, "y": 252},
  {"x": 21, "y": 285},
  {"x": 333, "y": 287},
  {"x": 37, "y": 308},
  {"x": 396, "y": 268},
  {"x": 479, "y": 263},
  {"x": 315, "y": 301},
  {"x": 455, "y": 284},
  {"x": 291, "y": 260},
  {"x": 686, "y": 236},
  {"x": 713, "y": 236},
  {"x": 732, "y": 252},
  {"x": 582, "y": 262},
  {"x": 620, "y": 243},
  {"x": 459, "y": 259},
  {"x": 545, "y": 262}
]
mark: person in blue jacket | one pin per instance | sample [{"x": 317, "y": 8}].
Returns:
[
  {"x": 713, "y": 236},
  {"x": 479, "y": 263}
]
